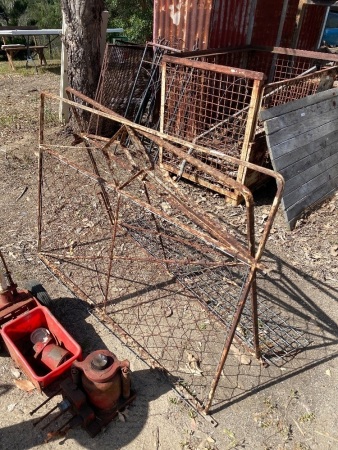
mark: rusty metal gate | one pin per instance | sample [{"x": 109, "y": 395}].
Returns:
[
  {"x": 213, "y": 98},
  {"x": 168, "y": 277}
]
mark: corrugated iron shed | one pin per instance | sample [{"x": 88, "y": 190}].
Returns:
[{"x": 202, "y": 24}]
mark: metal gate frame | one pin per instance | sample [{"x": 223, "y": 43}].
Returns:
[{"x": 200, "y": 231}]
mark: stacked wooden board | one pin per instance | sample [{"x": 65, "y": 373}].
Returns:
[{"x": 302, "y": 138}]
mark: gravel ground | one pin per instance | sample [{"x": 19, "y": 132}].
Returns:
[{"x": 289, "y": 407}]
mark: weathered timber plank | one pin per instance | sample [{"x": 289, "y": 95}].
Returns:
[
  {"x": 295, "y": 117},
  {"x": 298, "y": 104},
  {"x": 309, "y": 186},
  {"x": 303, "y": 145},
  {"x": 298, "y": 129},
  {"x": 317, "y": 196},
  {"x": 303, "y": 139},
  {"x": 308, "y": 168},
  {"x": 305, "y": 156}
]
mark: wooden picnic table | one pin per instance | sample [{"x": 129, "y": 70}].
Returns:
[{"x": 31, "y": 50}]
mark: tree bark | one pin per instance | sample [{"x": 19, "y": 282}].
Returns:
[{"x": 82, "y": 42}]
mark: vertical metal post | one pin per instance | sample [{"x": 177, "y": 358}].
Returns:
[
  {"x": 63, "y": 107},
  {"x": 41, "y": 141},
  {"x": 104, "y": 24},
  {"x": 163, "y": 95},
  {"x": 111, "y": 257},
  {"x": 229, "y": 339}
]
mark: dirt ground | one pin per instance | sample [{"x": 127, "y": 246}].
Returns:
[{"x": 293, "y": 406}]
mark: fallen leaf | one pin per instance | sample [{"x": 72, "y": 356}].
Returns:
[
  {"x": 168, "y": 312},
  {"x": 328, "y": 372},
  {"x": 243, "y": 359},
  {"x": 11, "y": 407},
  {"x": 15, "y": 372},
  {"x": 121, "y": 417},
  {"x": 334, "y": 250},
  {"x": 193, "y": 426},
  {"x": 24, "y": 385},
  {"x": 193, "y": 364}
]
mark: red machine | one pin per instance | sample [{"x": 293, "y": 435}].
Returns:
[
  {"x": 99, "y": 386},
  {"x": 36, "y": 341}
]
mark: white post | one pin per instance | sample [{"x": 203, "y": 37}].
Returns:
[
  {"x": 63, "y": 108},
  {"x": 104, "y": 24}
]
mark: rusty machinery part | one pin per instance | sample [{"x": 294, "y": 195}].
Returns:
[
  {"x": 46, "y": 350},
  {"x": 104, "y": 378},
  {"x": 92, "y": 398},
  {"x": 13, "y": 301},
  {"x": 8, "y": 289}
]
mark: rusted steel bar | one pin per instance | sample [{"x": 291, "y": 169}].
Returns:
[
  {"x": 237, "y": 252},
  {"x": 233, "y": 71},
  {"x": 297, "y": 52},
  {"x": 112, "y": 248},
  {"x": 159, "y": 235},
  {"x": 104, "y": 194},
  {"x": 41, "y": 141},
  {"x": 230, "y": 338},
  {"x": 150, "y": 259}
]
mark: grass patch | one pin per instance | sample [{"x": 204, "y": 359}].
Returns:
[
  {"x": 53, "y": 66},
  {"x": 8, "y": 120}
]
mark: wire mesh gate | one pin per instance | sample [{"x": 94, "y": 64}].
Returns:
[
  {"x": 170, "y": 279},
  {"x": 213, "y": 97}
]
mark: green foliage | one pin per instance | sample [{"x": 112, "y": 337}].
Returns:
[
  {"x": 11, "y": 11},
  {"x": 135, "y": 17},
  {"x": 42, "y": 13}
]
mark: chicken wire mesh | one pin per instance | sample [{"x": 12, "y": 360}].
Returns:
[{"x": 159, "y": 271}]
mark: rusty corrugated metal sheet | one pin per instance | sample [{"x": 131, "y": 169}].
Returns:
[
  {"x": 311, "y": 27},
  {"x": 230, "y": 22},
  {"x": 202, "y": 24},
  {"x": 267, "y": 20},
  {"x": 290, "y": 24},
  {"x": 185, "y": 23}
]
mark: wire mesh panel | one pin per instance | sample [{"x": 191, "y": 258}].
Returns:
[
  {"x": 160, "y": 271},
  {"x": 211, "y": 105},
  {"x": 217, "y": 108},
  {"x": 299, "y": 87},
  {"x": 120, "y": 68}
]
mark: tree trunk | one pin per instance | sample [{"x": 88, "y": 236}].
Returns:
[{"x": 82, "y": 41}]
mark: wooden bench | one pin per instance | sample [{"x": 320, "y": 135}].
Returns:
[{"x": 32, "y": 50}]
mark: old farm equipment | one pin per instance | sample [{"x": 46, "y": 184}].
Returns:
[
  {"x": 98, "y": 387},
  {"x": 168, "y": 276},
  {"x": 36, "y": 341}
]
